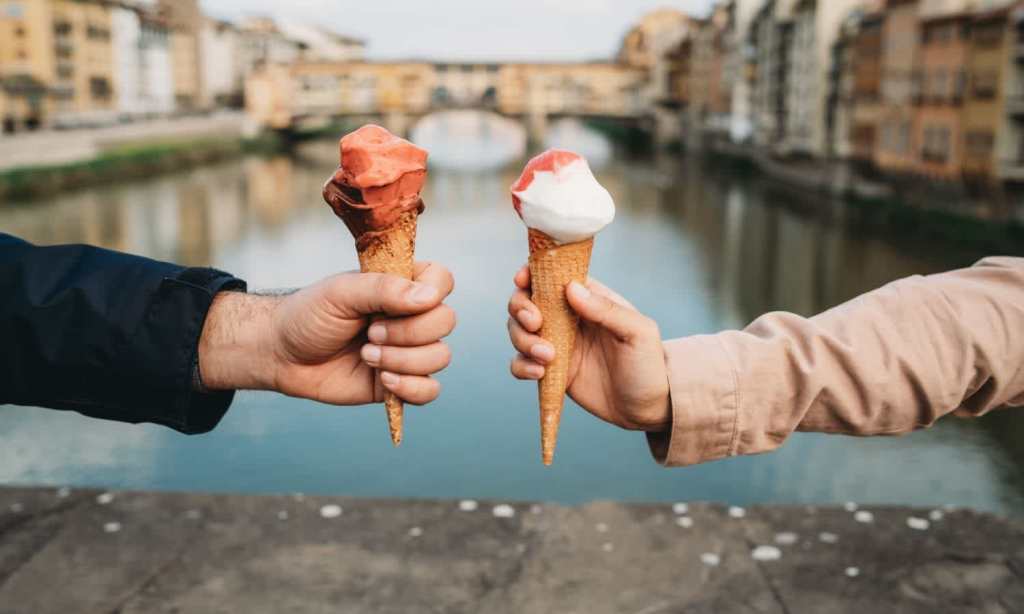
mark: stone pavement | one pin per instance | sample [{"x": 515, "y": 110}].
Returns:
[{"x": 127, "y": 553}]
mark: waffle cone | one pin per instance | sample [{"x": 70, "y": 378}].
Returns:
[
  {"x": 552, "y": 268},
  {"x": 391, "y": 251}
]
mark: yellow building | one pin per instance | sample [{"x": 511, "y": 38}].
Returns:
[
  {"x": 56, "y": 62},
  {"x": 26, "y": 64},
  {"x": 185, "y": 21},
  {"x": 654, "y": 35},
  {"x": 84, "y": 83}
]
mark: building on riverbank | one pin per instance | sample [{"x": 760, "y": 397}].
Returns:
[
  {"x": 144, "y": 75},
  {"x": 221, "y": 69},
  {"x": 993, "y": 110},
  {"x": 945, "y": 38}
]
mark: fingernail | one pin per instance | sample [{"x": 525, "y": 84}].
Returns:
[
  {"x": 371, "y": 354},
  {"x": 535, "y": 371},
  {"x": 390, "y": 380},
  {"x": 579, "y": 290},
  {"x": 378, "y": 333},
  {"x": 423, "y": 294},
  {"x": 543, "y": 351}
]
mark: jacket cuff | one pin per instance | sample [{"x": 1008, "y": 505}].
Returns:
[
  {"x": 189, "y": 292},
  {"x": 705, "y": 399}
]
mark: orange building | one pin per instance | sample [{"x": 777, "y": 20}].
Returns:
[
  {"x": 897, "y": 145},
  {"x": 945, "y": 51}
]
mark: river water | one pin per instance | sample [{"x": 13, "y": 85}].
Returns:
[{"x": 698, "y": 247}]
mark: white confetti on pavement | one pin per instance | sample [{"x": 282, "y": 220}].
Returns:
[
  {"x": 766, "y": 553},
  {"x": 330, "y": 511},
  {"x": 536, "y": 509},
  {"x": 415, "y": 532},
  {"x": 864, "y": 516},
  {"x": 601, "y": 527},
  {"x": 63, "y": 492},
  {"x": 786, "y": 538},
  {"x": 503, "y": 511},
  {"x": 193, "y": 514},
  {"x": 282, "y": 515},
  {"x": 918, "y": 524},
  {"x": 737, "y": 512},
  {"x": 684, "y": 521},
  {"x": 17, "y": 508},
  {"x": 828, "y": 538},
  {"x": 710, "y": 559},
  {"x": 105, "y": 499},
  {"x": 680, "y": 509},
  {"x": 112, "y": 527},
  {"x": 468, "y": 505},
  {"x": 936, "y": 515},
  {"x": 850, "y": 506},
  {"x": 607, "y": 547},
  {"x": 852, "y": 572}
]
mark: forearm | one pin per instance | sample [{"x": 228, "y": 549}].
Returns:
[
  {"x": 888, "y": 362},
  {"x": 235, "y": 348}
]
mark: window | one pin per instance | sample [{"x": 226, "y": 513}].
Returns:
[
  {"x": 940, "y": 84},
  {"x": 62, "y": 28},
  {"x": 985, "y": 84},
  {"x": 19, "y": 32},
  {"x": 936, "y": 144},
  {"x": 988, "y": 34},
  {"x": 97, "y": 32},
  {"x": 979, "y": 143},
  {"x": 99, "y": 87}
]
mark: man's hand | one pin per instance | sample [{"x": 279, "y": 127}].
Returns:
[
  {"x": 618, "y": 368},
  {"x": 319, "y": 343}
]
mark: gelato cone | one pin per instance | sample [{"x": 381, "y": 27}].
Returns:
[
  {"x": 552, "y": 268},
  {"x": 376, "y": 192},
  {"x": 563, "y": 207}
]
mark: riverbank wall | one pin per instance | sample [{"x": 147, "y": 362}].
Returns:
[
  {"x": 39, "y": 165},
  {"x": 903, "y": 207}
]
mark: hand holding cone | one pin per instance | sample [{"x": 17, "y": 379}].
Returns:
[
  {"x": 563, "y": 207},
  {"x": 376, "y": 192}
]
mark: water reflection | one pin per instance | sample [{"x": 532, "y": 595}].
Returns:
[{"x": 696, "y": 247}]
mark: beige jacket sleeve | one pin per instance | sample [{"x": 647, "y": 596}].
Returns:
[{"x": 886, "y": 363}]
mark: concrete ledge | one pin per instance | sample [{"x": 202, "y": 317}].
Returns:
[{"x": 86, "y": 551}]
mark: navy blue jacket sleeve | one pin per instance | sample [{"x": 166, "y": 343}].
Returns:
[{"x": 105, "y": 334}]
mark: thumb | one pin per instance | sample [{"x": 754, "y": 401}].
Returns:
[
  {"x": 596, "y": 306},
  {"x": 364, "y": 294}
]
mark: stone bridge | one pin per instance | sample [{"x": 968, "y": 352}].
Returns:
[{"x": 399, "y": 93}]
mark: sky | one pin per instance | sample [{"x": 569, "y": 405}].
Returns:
[{"x": 468, "y": 29}]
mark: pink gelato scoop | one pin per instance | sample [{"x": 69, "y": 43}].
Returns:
[{"x": 379, "y": 179}]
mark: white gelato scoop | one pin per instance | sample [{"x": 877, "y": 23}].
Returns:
[{"x": 558, "y": 195}]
